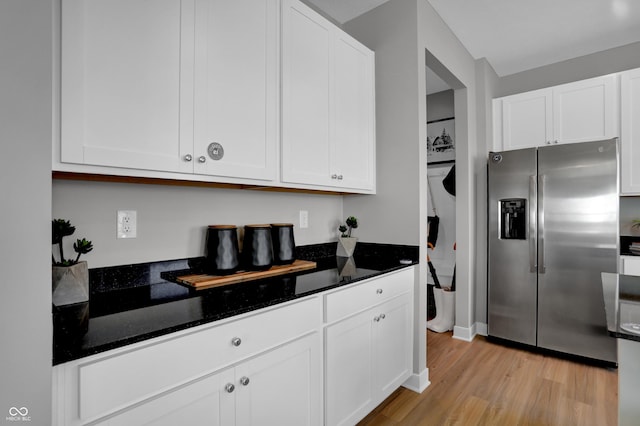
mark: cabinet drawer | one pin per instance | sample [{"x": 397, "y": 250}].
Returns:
[
  {"x": 115, "y": 382},
  {"x": 369, "y": 293},
  {"x": 630, "y": 265}
]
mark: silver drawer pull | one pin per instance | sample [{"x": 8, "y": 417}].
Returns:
[
  {"x": 236, "y": 341},
  {"x": 188, "y": 157},
  {"x": 376, "y": 319},
  {"x": 244, "y": 380},
  {"x": 229, "y": 387},
  {"x": 202, "y": 159},
  {"x": 382, "y": 316},
  {"x": 379, "y": 291}
]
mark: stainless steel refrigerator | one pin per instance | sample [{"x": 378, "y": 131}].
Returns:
[{"x": 553, "y": 229}]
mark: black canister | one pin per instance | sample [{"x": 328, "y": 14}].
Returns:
[
  {"x": 284, "y": 245},
  {"x": 222, "y": 250},
  {"x": 257, "y": 247}
]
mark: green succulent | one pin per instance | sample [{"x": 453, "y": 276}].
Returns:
[
  {"x": 61, "y": 228},
  {"x": 635, "y": 223},
  {"x": 351, "y": 223}
]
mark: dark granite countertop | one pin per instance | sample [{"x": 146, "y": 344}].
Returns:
[
  {"x": 133, "y": 303},
  {"x": 622, "y": 305}
]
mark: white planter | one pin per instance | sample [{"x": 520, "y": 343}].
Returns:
[
  {"x": 70, "y": 284},
  {"x": 346, "y": 246},
  {"x": 346, "y": 266}
]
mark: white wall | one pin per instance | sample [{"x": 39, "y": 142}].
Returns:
[
  {"x": 172, "y": 220},
  {"x": 486, "y": 82},
  {"x": 401, "y": 32},
  {"x": 594, "y": 65},
  {"x": 440, "y": 105},
  {"x": 25, "y": 190},
  {"x": 396, "y": 214}
]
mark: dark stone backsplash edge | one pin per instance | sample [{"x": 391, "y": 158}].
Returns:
[{"x": 110, "y": 278}]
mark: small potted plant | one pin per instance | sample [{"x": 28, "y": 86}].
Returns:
[
  {"x": 347, "y": 243},
  {"x": 70, "y": 277}
]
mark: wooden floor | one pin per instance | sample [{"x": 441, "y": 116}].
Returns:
[{"x": 484, "y": 383}]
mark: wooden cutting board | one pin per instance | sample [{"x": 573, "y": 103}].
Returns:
[{"x": 200, "y": 281}]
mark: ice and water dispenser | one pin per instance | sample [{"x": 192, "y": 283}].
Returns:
[{"x": 513, "y": 219}]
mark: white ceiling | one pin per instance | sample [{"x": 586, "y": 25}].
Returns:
[{"x": 517, "y": 35}]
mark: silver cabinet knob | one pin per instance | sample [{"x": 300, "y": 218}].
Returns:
[
  {"x": 555, "y": 141},
  {"x": 379, "y": 291},
  {"x": 376, "y": 319},
  {"x": 229, "y": 387},
  {"x": 382, "y": 316},
  {"x": 548, "y": 142},
  {"x": 339, "y": 177},
  {"x": 236, "y": 341},
  {"x": 202, "y": 159},
  {"x": 334, "y": 176},
  {"x": 188, "y": 157},
  {"x": 244, "y": 380}
]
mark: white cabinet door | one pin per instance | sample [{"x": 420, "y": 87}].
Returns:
[
  {"x": 152, "y": 85},
  {"x": 393, "y": 348},
  {"x": 328, "y": 103},
  {"x": 121, "y": 82},
  {"x": 630, "y": 265},
  {"x": 282, "y": 387},
  {"x": 203, "y": 402},
  {"x": 526, "y": 119},
  {"x": 630, "y": 133},
  {"x": 368, "y": 357},
  {"x": 353, "y": 118},
  {"x": 585, "y": 110},
  {"x": 236, "y": 88},
  {"x": 349, "y": 349},
  {"x": 306, "y": 44}
]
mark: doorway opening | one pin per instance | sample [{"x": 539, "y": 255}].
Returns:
[{"x": 441, "y": 204}]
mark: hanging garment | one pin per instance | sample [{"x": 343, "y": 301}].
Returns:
[{"x": 449, "y": 181}]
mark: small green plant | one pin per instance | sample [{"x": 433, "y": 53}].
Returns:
[
  {"x": 61, "y": 228},
  {"x": 635, "y": 223},
  {"x": 351, "y": 223}
]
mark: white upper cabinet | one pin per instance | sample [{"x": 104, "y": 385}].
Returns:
[
  {"x": 526, "y": 119},
  {"x": 122, "y": 82},
  {"x": 173, "y": 86},
  {"x": 328, "y": 103},
  {"x": 236, "y": 88},
  {"x": 575, "y": 112},
  {"x": 630, "y": 133}
]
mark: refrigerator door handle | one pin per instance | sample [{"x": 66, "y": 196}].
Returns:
[
  {"x": 541, "y": 266},
  {"x": 533, "y": 266}
]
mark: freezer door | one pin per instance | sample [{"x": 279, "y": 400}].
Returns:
[
  {"x": 577, "y": 240},
  {"x": 512, "y": 294}
]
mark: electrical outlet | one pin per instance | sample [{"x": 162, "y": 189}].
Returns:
[
  {"x": 127, "y": 224},
  {"x": 304, "y": 219}
]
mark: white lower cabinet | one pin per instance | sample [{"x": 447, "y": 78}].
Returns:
[
  {"x": 265, "y": 368},
  {"x": 369, "y": 354},
  {"x": 281, "y": 387},
  {"x": 630, "y": 265}
]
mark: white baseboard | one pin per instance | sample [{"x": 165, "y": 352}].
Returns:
[
  {"x": 464, "y": 333},
  {"x": 418, "y": 382},
  {"x": 468, "y": 333},
  {"x": 482, "y": 329}
]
